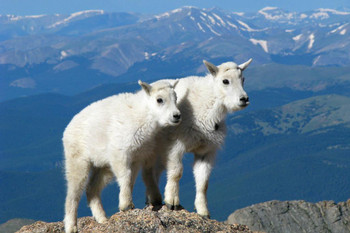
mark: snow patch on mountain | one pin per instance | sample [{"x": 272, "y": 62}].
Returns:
[
  {"x": 303, "y": 16},
  {"x": 247, "y": 27},
  {"x": 200, "y": 27},
  {"x": 316, "y": 60},
  {"x": 176, "y": 10},
  {"x": 262, "y": 43},
  {"x": 213, "y": 31},
  {"x": 238, "y": 13},
  {"x": 181, "y": 26},
  {"x": 24, "y": 83},
  {"x": 212, "y": 20},
  {"x": 298, "y": 37},
  {"x": 147, "y": 55},
  {"x": 320, "y": 15},
  {"x": 220, "y": 19},
  {"x": 166, "y": 14},
  {"x": 64, "y": 54},
  {"x": 340, "y": 29},
  {"x": 232, "y": 25},
  {"x": 311, "y": 41}
]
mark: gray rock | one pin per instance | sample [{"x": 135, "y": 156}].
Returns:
[
  {"x": 295, "y": 217},
  {"x": 14, "y": 225}
]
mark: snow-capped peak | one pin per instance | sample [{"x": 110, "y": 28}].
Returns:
[
  {"x": 268, "y": 8},
  {"x": 77, "y": 14},
  {"x": 15, "y": 18},
  {"x": 323, "y": 13},
  {"x": 274, "y": 13},
  {"x": 335, "y": 12},
  {"x": 178, "y": 10}
]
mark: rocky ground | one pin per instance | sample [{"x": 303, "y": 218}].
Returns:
[
  {"x": 145, "y": 220},
  {"x": 295, "y": 217}
]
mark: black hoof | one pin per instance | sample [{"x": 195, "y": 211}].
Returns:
[
  {"x": 174, "y": 207},
  {"x": 154, "y": 203}
]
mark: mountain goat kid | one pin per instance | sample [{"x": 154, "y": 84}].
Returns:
[
  {"x": 114, "y": 137},
  {"x": 204, "y": 103}
]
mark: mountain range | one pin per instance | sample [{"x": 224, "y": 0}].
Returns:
[{"x": 50, "y": 53}]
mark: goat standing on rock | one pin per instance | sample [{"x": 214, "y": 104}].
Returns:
[
  {"x": 204, "y": 103},
  {"x": 114, "y": 137}
]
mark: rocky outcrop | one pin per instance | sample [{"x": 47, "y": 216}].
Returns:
[
  {"x": 145, "y": 220},
  {"x": 14, "y": 225},
  {"x": 295, "y": 217}
]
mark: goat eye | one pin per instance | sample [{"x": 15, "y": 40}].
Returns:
[
  {"x": 160, "y": 101},
  {"x": 225, "y": 81}
]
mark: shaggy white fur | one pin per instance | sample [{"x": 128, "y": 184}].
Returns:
[
  {"x": 204, "y": 103},
  {"x": 110, "y": 138}
]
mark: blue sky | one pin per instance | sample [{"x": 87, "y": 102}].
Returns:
[{"x": 30, "y": 7}]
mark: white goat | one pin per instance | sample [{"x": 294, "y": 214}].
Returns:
[
  {"x": 113, "y": 137},
  {"x": 204, "y": 104}
]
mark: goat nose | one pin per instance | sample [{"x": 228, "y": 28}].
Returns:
[
  {"x": 177, "y": 116},
  {"x": 244, "y": 99}
]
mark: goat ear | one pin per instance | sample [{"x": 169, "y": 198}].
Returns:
[
  {"x": 175, "y": 83},
  {"x": 245, "y": 64},
  {"x": 211, "y": 68},
  {"x": 145, "y": 86}
]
